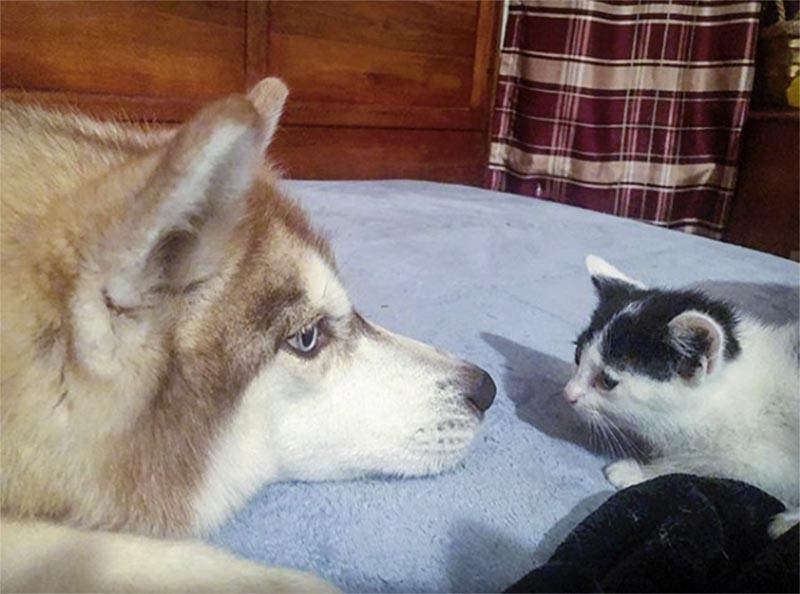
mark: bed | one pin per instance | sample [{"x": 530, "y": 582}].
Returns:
[{"x": 500, "y": 280}]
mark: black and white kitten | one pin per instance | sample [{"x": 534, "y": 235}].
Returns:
[{"x": 712, "y": 391}]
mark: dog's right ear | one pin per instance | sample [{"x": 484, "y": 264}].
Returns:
[
  {"x": 171, "y": 232},
  {"x": 162, "y": 223}
]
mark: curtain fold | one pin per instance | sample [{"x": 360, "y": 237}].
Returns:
[{"x": 630, "y": 108}]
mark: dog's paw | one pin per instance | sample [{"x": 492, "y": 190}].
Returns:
[
  {"x": 624, "y": 473},
  {"x": 783, "y": 522}
]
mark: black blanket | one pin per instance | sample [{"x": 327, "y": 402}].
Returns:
[{"x": 675, "y": 533}]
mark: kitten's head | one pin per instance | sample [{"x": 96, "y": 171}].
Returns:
[{"x": 647, "y": 351}]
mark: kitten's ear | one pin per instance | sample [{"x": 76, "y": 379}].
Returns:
[
  {"x": 700, "y": 341},
  {"x": 609, "y": 281}
]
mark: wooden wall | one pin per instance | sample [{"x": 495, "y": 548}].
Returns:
[
  {"x": 378, "y": 89},
  {"x": 765, "y": 213}
]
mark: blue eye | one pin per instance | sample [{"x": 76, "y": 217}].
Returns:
[
  {"x": 605, "y": 382},
  {"x": 306, "y": 341}
]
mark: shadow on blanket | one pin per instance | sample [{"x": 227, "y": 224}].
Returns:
[
  {"x": 675, "y": 533},
  {"x": 771, "y": 303},
  {"x": 534, "y": 382}
]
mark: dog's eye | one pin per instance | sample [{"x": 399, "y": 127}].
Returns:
[
  {"x": 605, "y": 382},
  {"x": 307, "y": 341}
]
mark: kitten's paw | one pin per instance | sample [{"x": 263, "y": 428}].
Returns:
[
  {"x": 783, "y": 522},
  {"x": 624, "y": 473}
]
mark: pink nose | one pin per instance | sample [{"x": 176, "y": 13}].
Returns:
[{"x": 572, "y": 392}]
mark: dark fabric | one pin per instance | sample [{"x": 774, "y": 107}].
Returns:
[{"x": 675, "y": 533}]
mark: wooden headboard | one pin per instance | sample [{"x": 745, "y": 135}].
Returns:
[{"x": 378, "y": 89}]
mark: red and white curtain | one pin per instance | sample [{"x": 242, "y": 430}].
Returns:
[{"x": 634, "y": 108}]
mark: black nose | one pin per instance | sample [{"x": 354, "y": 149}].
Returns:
[{"x": 482, "y": 395}]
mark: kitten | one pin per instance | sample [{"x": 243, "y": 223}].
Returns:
[{"x": 712, "y": 391}]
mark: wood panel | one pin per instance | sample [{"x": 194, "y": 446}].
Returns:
[
  {"x": 368, "y": 153},
  {"x": 418, "y": 53},
  {"x": 141, "y": 49},
  {"x": 399, "y": 64},
  {"x": 377, "y": 89},
  {"x": 766, "y": 205}
]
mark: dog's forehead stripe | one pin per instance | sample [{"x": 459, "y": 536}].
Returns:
[{"x": 324, "y": 289}]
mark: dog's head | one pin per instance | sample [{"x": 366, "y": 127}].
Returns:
[{"x": 207, "y": 291}]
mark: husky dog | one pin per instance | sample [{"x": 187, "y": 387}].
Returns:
[
  {"x": 174, "y": 336},
  {"x": 712, "y": 391}
]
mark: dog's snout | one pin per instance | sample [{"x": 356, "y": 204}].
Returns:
[{"x": 483, "y": 391}]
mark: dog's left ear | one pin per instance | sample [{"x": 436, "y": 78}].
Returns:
[{"x": 699, "y": 340}]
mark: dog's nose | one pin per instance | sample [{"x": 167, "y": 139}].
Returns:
[{"x": 483, "y": 394}]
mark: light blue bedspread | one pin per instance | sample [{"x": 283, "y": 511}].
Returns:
[{"x": 499, "y": 280}]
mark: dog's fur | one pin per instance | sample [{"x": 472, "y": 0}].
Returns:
[{"x": 150, "y": 281}]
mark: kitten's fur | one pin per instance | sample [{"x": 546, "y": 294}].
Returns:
[{"x": 712, "y": 391}]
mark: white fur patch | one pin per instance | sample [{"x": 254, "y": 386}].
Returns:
[
  {"x": 243, "y": 459},
  {"x": 624, "y": 473},
  {"x": 323, "y": 288},
  {"x": 39, "y": 557}
]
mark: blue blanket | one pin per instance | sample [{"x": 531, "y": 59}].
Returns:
[{"x": 499, "y": 280}]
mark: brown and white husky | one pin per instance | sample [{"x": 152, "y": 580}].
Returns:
[{"x": 174, "y": 336}]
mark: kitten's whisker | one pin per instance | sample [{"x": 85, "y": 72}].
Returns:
[
  {"x": 593, "y": 444},
  {"x": 602, "y": 434},
  {"x": 620, "y": 438},
  {"x": 626, "y": 440},
  {"x": 606, "y": 437},
  {"x": 593, "y": 439},
  {"x": 615, "y": 444}
]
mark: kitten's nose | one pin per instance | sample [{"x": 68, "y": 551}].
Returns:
[
  {"x": 482, "y": 394},
  {"x": 572, "y": 392}
]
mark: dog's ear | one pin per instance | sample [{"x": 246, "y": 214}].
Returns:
[
  {"x": 174, "y": 229},
  {"x": 161, "y": 224},
  {"x": 193, "y": 187},
  {"x": 269, "y": 97}
]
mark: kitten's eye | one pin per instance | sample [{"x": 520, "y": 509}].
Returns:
[
  {"x": 307, "y": 341},
  {"x": 605, "y": 382}
]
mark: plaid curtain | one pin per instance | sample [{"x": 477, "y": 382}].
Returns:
[{"x": 630, "y": 108}]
